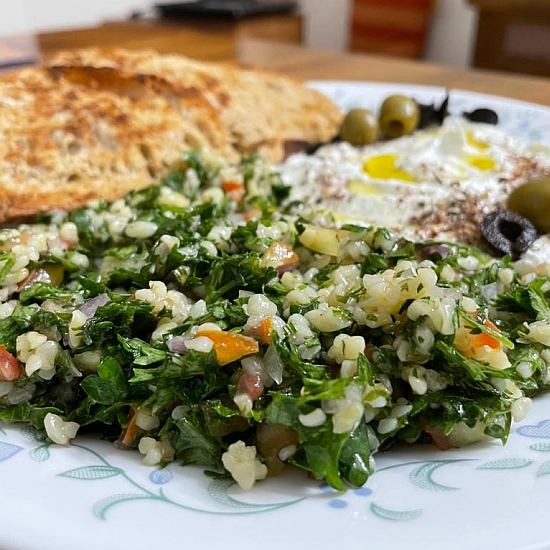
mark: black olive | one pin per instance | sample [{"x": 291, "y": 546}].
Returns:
[
  {"x": 427, "y": 115},
  {"x": 508, "y": 232},
  {"x": 432, "y": 115},
  {"x": 482, "y": 115}
]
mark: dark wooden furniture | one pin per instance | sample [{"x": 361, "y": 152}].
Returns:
[
  {"x": 514, "y": 36},
  {"x": 204, "y": 38}
]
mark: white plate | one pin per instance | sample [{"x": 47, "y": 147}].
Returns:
[
  {"x": 526, "y": 121},
  {"x": 91, "y": 496}
]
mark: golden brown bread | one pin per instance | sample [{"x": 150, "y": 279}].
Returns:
[
  {"x": 64, "y": 144},
  {"x": 97, "y": 124},
  {"x": 261, "y": 110}
]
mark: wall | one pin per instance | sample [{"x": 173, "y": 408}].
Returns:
[
  {"x": 327, "y": 23},
  {"x": 12, "y": 17},
  {"x": 20, "y": 16},
  {"x": 453, "y": 33},
  {"x": 450, "y": 41}
]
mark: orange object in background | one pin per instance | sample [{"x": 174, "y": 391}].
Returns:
[{"x": 392, "y": 27}]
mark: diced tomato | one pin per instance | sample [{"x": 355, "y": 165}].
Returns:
[
  {"x": 251, "y": 384},
  {"x": 229, "y": 346},
  {"x": 69, "y": 244},
  {"x": 440, "y": 440},
  {"x": 262, "y": 331},
  {"x": 252, "y": 214},
  {"x": 10, "y": 368},
  {"x": 234, "y": 189},
  {"x": 485, "y": 339},
  {"x": 467, "y": 342}
]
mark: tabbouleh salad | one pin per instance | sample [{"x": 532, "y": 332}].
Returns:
[{"x": 208, "y": 320}]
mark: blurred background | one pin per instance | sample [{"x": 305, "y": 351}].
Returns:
[{"x": 510, "y": 35}]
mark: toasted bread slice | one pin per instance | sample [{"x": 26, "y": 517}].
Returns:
[
  {"x": 98, "y": 124},
  {"x": 84, "y": 133},
  {"x": 262, "y": 111}
]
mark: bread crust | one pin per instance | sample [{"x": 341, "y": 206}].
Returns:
[
  {"x": 261, "y": 110},
  {"x": 97, "y": 124}
]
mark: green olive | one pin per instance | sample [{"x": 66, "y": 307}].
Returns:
[
  {"x": 532, "y": 201},
  {"x": 399, "y": 116},
  {"x": 360, "y": 127}
]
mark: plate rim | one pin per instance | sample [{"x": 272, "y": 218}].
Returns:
[{"x": 431, "y": 88}]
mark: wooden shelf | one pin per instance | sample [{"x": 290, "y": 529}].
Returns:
[{"x": 207, "y": 39}]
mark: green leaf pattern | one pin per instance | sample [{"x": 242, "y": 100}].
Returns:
[
  {"x": 394, "y": 515},
  {"x": 506, "y": 464},
  {"x": 217, "y": 490},
  {"x": 92, "y": 473},
  {"x": 101, "y": 507},
  {"x": 422, "y": 477},
  {"x": 30, "y": 433},
  {"x": 7, "y": 450},
  {"x": 544, "y": 470},
  {"x": 40, "y": 454}
]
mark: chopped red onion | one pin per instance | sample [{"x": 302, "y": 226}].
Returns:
[
  {"x": 177, "y": 344},
  {"x": 437, "y": 249},
  {"x": 284, "y": 268},
  {"x": 90, "y": 306}
]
